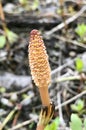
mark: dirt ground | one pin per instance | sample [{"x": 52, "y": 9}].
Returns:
[{"x": 57, "y": 24}]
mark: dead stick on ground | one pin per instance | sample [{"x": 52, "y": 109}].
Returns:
[
  {"x": 71, "y": 19},
  {"x": 21, "y": 124},
  {"x": 71, "y": 100},
  {"x": 81, "y": 77},
  {"x": 69, "y": 41},
  {"x": 62, "y": 122}
]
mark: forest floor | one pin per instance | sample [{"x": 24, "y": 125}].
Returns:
[{"x": 63, "y": 27}]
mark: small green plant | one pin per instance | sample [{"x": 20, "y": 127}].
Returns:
[
  {"x": 2, "y": 41},
  {"x": 76, "y": 123},
  {"x": 79, "y": 64},
  {"x": 2, "y": 89},
  {"x": 81, "y": 32},
  {"x": 54, "y": 125},
  {"x": 78, "y": 106},
  {"x": 10, "y": 36},
  {"x": 85, "y": 124},
  {"x": 6, "y": 35},
  {"x": 27, "y": 5},
  {"x": 23, "y": 2},
  {"x": 35, "y": 4}
]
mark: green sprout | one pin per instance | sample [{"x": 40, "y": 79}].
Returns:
[
  {"x": 54, "y": 125},
  {"x": 23, "y": 2},
  {"x": 76, "y": 123},
  {"x": 81, "y": 32},
  {"x": 10, "y": 36},
  {"x": 78, "y": 106},
  {"x": 28, "y": 6},
  {"x": 35, "y": 5},
  {"x": 79, "y": 64},
  {"x": 2, "y": 41}
]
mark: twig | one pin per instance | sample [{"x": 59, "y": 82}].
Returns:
[
  {"x": 69, "y": 20},
  {"x": 62, "y": 79},
  {"x": 69, "y": 40},
  {"x": 71, "y": 100},
  {"x": 21, "y": 124},
  {"x": 9, "y": 116},
  {"x": 16, "y": 118},
  {"x": 60, "y": 109},
  {"x": 54, "y": 72},
  {"x": 17, "y": 92}
]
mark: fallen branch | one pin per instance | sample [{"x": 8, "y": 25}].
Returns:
[
  {"x": 69, "y": 41},
  {"x": 71, "y": 100},
  {"x": 69, "y": 20},
  {"x": 75, "y": 77},
  {"x": 21, "y": 124}
]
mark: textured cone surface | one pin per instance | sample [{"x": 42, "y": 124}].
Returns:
[{"x": 38, "y": 60}]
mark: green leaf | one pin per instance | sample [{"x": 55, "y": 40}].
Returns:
[
  {"x": 23, "y": 2},
  {"x": 53, "y": 125},
  {"x": 79, "y": 64},
  {"x": 12, "y": 37},
  {"x": 2, "y": 89},
  {"x": 31, "y": 125},
  {"x": 81, "y": 30},
  {"x": 76, "y": 123},
  {"x": 24, "y": 96},
  {"x": 85, "y": 124},
  {"x": 78, "y": 106},
  {"x": 35, "y": 4},
  {"x": 2, "y": 41}
]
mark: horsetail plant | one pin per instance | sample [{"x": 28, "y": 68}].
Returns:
[{"x": 40, "y": 71}]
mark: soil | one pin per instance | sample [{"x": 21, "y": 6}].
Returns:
[{"x": 16, "y": 86}]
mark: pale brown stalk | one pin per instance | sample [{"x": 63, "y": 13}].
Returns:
[{"x": 40, "y": 71}]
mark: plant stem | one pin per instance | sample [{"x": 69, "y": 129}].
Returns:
[
  {"x": 44, "y": 96},
  {"x": 40, "y": 127}
]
